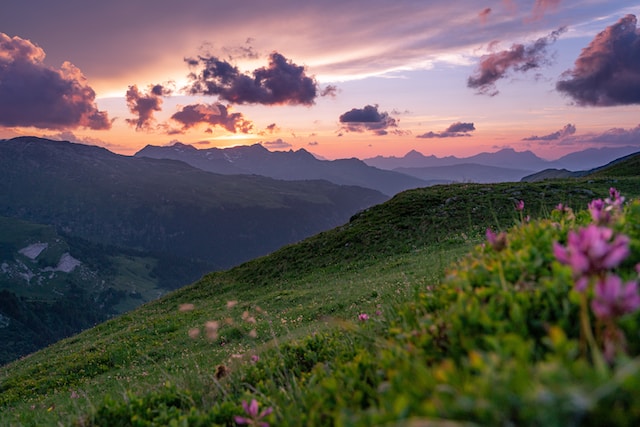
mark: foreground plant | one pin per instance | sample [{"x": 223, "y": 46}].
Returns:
[{"x": 592, "y": 253}]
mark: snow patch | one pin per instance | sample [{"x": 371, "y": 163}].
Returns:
[
  {"x": 32, "y": 251},
  {"x": 67, "y": 263}
]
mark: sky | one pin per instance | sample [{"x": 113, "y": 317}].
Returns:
[{"x": 338, "y": 78}]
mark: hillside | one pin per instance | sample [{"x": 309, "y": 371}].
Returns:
[
  {"x": 53, "y": 286},
  {"x": 623, "y": 166},
  {"x": 135, "y": 228},
  {"x": 165, "y": 206},
  {"x": 284, "y": 319},
  {"x": 626, "y": 166}
]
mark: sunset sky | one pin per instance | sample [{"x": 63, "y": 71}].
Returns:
[{"x": 338, "y": 78}]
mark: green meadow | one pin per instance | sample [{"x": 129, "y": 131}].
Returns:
[{"x": 404, "y": 316}]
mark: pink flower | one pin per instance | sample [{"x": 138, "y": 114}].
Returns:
[
  {"x": 592, "y": 250},
  {"x": 614, "y": 198},
  {"x": 520, "y": 205},
  {"x": 614, "y": 299},
  {"x": 254, "y": 418},
  {"x": 363, "y": 317},
  {"x": 599, "y": 212},
  {"x": 497, "y": 241}
]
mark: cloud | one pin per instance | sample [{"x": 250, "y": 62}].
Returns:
[
  {"x": 278, "y": 143},
  {"x": 567, "y": 130},
  {"x": 541, "y": 7},
  {"x": 216, "y": 115},
  {"x": 270, "y": 129},
  {"x": 607, "y": 72},
  {"x": 33, "y": 94},
  {"x": 280, "y": 82},
  {"x": 618, "y": 136},
  {"x": 519, "y": 58},
  {"x": 455, "y": 130},
  {"x": 367, "y": 119},
  {"x": 144, "y": 105},
  {"x": 484, "y": 15}
]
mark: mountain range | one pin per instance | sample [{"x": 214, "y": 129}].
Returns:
[
  {"x": 388, "y": 175},
  {"x": 503, "y": 165},
  {"x": 285, "y": 165}
]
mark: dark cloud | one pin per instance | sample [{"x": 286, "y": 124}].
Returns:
[
  {"x": 280, "y": 82},
  {"x": 270, "y": 129},
  {"x": 567, "y": 130},
  {"x": 459, "y": 127},
  {"x": 33, "y": 94},
  {"x": 367, "y": 119},
  {"x": 455, "y": 130},
  {"x": 216, "y": 115},
  {"x": 484, "y": 15},
  {"x": 329, "y": 90},
  {"x": 607, "y": 72},
  {"x": 145, "y": 104},
  {"x": 278, "y": 143},
  {"x": 519, "y": 58}
]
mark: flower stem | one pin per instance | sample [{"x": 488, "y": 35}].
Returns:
[{"x": 585, "y": 323}]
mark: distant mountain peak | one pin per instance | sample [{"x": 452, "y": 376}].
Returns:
[{"x": 183, "y": 147}]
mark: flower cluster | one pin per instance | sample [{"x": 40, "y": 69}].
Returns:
[
  {"x": 593, "y": 252},
  {"x": 603, "y": 212}
]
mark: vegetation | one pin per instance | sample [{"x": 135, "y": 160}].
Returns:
[
  {"x": 410, "y": 314},
  {"x": 41, "y": 304}
]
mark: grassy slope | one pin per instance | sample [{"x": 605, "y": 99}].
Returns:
[{"x": 379, "y": 259}]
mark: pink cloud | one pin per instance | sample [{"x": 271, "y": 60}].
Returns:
[{"x": 33, "y": 94}]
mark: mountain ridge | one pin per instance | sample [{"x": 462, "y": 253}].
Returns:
[
  {"x": 285, "y": 165},
  {"x": 526, "y": 160}
]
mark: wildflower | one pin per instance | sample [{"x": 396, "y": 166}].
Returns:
[
  {"x": 613, "y": 299},
  {"x": 520, "y": 205},
  {"x": 363, "y": 317},
  {"x": 194, "y": 333},
  {"x": 231, "y": 304},
  {"x": 212, "y": 329},
  {"x": 186, "y": 307},
  {"x": 254, "y": 418},
  {"x": 255, "y": 358},
  {"x": 497, "y": 241},
  {"x": 599, "y": 212},
  {"x": 591, "y": 251},
  {"x": 614, "y": 199},
  {"x": 74, "y": 394},
  {"x": 248, "y": 318}
]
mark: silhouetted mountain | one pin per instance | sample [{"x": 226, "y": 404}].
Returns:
[
  {"x": 593, "y": 157},
  {"x": 163, "y": 205},
  {"x": 466, "y": 172},
  {"x": 628, "y": 165},
  {"x": 521, "y": 160},
  {"x": 286, "y": 165}
]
